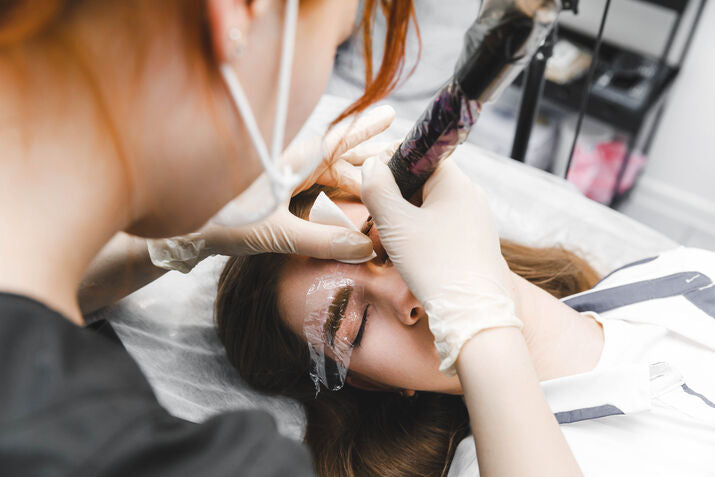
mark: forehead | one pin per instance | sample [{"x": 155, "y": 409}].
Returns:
[
  {"x": 300, "y": 273},
  {"x": 297, "y": 277}
]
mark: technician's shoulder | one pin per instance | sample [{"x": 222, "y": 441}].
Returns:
[{"x": 74, "y": 403}]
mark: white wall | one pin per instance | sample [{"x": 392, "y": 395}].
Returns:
[
  {"x": 679, "y": 181},
  {"x": 683, "y": 152}
]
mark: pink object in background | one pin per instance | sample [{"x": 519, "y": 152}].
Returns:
[{"x": 594, "y": 171}]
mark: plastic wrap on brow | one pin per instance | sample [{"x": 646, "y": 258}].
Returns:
[{"x": 330, "y": 349}]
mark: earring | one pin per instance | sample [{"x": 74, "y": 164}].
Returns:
[{"x": 236, "y": 42}]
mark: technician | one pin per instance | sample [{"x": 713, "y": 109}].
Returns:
[{"x": 142, "y": 116}]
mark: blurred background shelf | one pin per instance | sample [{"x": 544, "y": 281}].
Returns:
[
  {"x": 628, "y": 93},
  {"x": 627, "y": 116}
]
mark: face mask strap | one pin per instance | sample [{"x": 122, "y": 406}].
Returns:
[
  {"x": 280, "y": 181},
  {"x": 287, "y": 51},
  {"x": 244, "y": 107}
]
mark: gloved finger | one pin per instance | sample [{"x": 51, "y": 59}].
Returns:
[
  {"x": 327, "y": 241},
  {"x": 447, "y": 182},
  {"x": 345, "y": 137},
  {"x": 357, "y": 155},
  {"x": 387, "y": 154},
  {"x": 380, "y": 192},
  {"x": 342, "y": 175}
]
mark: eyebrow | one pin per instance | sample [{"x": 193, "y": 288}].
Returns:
[{"x": 336, "y": 313}]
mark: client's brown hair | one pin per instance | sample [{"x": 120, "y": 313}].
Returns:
[{"x": 353, "y": 432}]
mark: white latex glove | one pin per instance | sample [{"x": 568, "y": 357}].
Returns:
[
  {"x": 282, "y": 232},
  {"x": 447, "y": 251}
]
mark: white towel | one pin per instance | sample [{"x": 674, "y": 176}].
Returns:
[{"x": 326, "y": 212}]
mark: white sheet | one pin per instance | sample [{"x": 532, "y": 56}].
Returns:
[{"x": 168, "y": 325}]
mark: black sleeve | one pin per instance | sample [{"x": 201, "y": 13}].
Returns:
[{"x": 72, "y": 403}]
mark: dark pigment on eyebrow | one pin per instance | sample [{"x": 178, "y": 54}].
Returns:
[{"x": 336, "y": 312}]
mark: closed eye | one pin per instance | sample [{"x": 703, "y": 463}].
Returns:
[{"x": 358, "y": 338}]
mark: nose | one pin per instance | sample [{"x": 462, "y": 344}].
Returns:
[
  {"x": 409, "y": 310},
  {"x": 417, "y": 313},
  {"x": 391, "y": 292}
]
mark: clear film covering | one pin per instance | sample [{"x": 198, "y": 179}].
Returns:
[
  {"x": 497, "y": 47},
  {"x": 333, "y": 318},
  {"x": 501, "y": 42},
  {"x": 443, "y": 126}
]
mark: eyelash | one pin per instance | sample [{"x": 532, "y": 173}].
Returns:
[
  {"x": 385, "y": 260},
  {"x": 358, "y": 339}
]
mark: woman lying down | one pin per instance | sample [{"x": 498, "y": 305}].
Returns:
[{"x": 626, "y": 365}]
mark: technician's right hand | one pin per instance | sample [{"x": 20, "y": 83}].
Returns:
[
  {"x": 346, "y": 149},
  {"x": 447, "y": 251}
]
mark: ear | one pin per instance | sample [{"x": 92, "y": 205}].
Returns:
[{"x": 226, "y": 17}]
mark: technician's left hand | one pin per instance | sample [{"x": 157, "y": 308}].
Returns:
[{"x": 283, "y": 232}]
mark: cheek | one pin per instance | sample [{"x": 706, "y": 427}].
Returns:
[
  {"x": 315, "y": 49},
  {"x": 399, "y": 356},
  {"x": 310, "y": 77}
]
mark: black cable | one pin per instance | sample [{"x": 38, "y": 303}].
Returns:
[{"x": 587, "y": 90}]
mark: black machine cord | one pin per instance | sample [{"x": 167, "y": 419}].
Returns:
[{"x": 589, "y": 83}]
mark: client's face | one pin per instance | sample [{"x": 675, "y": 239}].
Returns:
[{"x": 391, "y": 342}]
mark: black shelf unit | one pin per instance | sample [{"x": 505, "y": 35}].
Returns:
[
  {"x": 637, "y": 122},
  {"x": 620, "y": 116}
]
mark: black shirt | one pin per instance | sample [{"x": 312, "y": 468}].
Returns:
[{"x": 73, "y": 403}]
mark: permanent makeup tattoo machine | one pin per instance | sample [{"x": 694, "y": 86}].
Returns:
[{"x": 497, "y": 47}]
